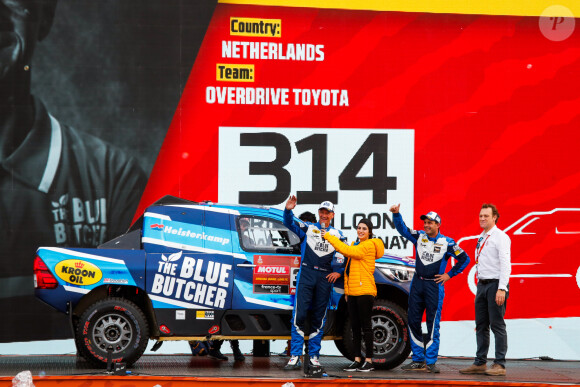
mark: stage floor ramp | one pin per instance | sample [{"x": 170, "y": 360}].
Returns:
[{"x": 182, "y": 370}]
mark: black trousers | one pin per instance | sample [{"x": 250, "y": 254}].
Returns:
[
  {"x": 217, "y": 344},
  {"x": 360, "y": 309},
  {"x": 489, "y": 315}
]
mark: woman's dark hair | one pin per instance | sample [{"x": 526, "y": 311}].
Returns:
[
  {"x": 369, "y": 224},
  {"x": 307, "y": 216}
]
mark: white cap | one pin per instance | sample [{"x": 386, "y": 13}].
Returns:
[
  {"x": 432, "y": 216},
  {"x": 327, "y": 206}
]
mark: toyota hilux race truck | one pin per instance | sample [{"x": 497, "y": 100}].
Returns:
[{"x": 198, "y": 271}]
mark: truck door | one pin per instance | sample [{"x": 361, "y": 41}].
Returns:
[{"x": 266, "y": 279}]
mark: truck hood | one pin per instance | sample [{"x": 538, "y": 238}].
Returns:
[{"x": 396, "y": 260}]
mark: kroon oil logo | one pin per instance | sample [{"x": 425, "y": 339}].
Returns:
[{"x": 78, "y": 272}]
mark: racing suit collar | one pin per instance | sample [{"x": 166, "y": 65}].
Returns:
[
  {"x": 329, "y": 227},
  {"x": 435, "y": 238},
  {"x": 35, "y": 161}
]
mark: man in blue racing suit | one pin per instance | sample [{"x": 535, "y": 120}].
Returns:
[
  {"x": 315, "y": 280},
  {"x": 427, "y": 292}
]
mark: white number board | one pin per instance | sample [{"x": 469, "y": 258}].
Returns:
[{"x": 362, "y": 171}]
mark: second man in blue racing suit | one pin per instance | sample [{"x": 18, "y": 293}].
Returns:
[
  {"x": 315, "y": 280},
  {"x": 427, "y": 292}
]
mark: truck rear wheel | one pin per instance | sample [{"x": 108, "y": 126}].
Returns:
[
  {"x": 113, "y": 325},
  {"x": 390, "y": 336}
]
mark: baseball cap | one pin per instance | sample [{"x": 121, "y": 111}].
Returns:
[
  {"x": 327, "y": 206},
  {"x": 432, "y": 215}
]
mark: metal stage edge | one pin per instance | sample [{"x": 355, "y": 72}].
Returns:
[{"x": 181, "y": 370}]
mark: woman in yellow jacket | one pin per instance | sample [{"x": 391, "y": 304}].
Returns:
[{"x": 360, "y": 288}]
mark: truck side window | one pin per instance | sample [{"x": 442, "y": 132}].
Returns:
[{"x": 258, "y": 234}]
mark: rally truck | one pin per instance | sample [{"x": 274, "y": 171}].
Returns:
[{"x": 196, "y": 271}]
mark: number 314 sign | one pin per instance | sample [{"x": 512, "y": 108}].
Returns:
[{"x": 362, "y": 171}]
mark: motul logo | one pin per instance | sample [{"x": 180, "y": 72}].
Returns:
[{"x": 272, "y": 270}]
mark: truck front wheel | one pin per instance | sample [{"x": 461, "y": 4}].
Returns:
[{"x": 113, "y": 326}]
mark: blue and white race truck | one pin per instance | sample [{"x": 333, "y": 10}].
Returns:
[{"x": 197, "y": 271}]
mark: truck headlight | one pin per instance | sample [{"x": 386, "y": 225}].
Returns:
[{"x": 397, "y": 273}]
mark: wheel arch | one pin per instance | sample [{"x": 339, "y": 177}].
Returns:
[
  {"x": 394, "y": 294},
  {"x": 132, "y": 293}
]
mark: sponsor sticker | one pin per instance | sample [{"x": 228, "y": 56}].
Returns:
[
  {"x": 272, "y": 289},
  {"x": 204, "y": 280},
  {"x": 78, "y": 272},
  {"x": 115, "y": 281},
  {"x": 266, "y": 269},
  {"x": 205, "y": 314},
  {"x": 180, "y": 314},
  {"x": 275, "y": 274},
  {"x": 457, "y": 250}
]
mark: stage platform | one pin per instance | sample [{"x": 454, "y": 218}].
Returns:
[{"x": 181, "y": 370}]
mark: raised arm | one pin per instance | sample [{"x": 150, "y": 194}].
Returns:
[
  {"x": 288, "y": 218},
  {"x": 400, "y": 225},
  {"x": 353, "y": 252}
]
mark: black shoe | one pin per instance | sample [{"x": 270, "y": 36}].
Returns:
[
  {"x": 366, "y": 367},
  {"x": 433, "y": 368},
  {"x": 216, "y": 354},
  {"x": 414, "y": 366},
  {"x": 353, "y": 366},
  {"x": 238, "y": 356}
]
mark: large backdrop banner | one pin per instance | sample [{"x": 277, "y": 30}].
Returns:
[
  {"x": 438, "y": 109},
  {"x": 87, "y": 92}
]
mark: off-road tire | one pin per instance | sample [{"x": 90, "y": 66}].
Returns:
[{"x": 113, "y": 323}]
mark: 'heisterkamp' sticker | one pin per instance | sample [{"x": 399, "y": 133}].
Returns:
[{"x": 78, "y": 272}]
